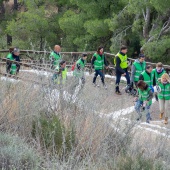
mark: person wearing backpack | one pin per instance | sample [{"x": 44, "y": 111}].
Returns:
[
  {"x": 98, "y": 63},
  {"x": 121, "y": 64},
  {"x": 144, "y": 99},
  {"x": 164, "y": 96}
]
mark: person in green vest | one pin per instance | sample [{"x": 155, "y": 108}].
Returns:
[
  {"x": 137, "y": 68},
  {"x": 99, "y": 63},
  {"x": 144, "y": 99},
  {"x": 60, "y": 75},
  {"x": 55, "y": 56},
  {"x": 79, "y": 68},
  {"x": 13, "y": 68},
  {"x": 157, "y": 73},
  {"x": 121, "y": 68},
  {"x": 147, "y": 76},
  {"x": 164, "y": 96}
]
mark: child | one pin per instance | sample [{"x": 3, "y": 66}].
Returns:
[
  {"x": 164, "y": 95},
  {"x": 61, "y": 73},
  {"x": 145, "y": 99}
]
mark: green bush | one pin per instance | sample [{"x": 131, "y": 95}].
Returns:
[
  {"x": 16, "y": 154},
  {"x": 53, "y": 135}
]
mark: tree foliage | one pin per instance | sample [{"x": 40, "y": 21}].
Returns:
[{"x": 79, "y": 25}]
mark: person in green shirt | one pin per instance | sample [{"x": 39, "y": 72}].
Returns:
[
  {"x": 138, "y": 67},
  {"x": 144, "y": 99},
  {"x": 60, "y": 75},
  {"x": 80, "y": 67},
  {"x": 55, "y": 57},
  {"x": 99, "y": 63},
  {"x": 164, "y": 96}
]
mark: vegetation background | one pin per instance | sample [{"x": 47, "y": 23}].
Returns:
[{"x": 79, "y": 25}]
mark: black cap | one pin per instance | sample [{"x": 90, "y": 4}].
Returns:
[
  {"x": 84, "y": 55},
  {"x": 141, "y": 55}
]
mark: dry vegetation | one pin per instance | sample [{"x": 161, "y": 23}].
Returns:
[{"x": 64, "y": 135}]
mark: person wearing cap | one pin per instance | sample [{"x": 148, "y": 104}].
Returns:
[
  {"x": 144, "y": 99},
  {"x": 98, "y": 63},
  {"x": 121, "y": 68},
  {"x": 60, "y": 74},
  {"x": 138, "y": 67},
  {"x": 164, "y": 96},
  {"x": 147, "y": 76},
  {"x": 80, "y": 67},
  {"x": 55, "y": 56},
  {"x": 13, "y": 56}
]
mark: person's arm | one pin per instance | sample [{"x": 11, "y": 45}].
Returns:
[
  {"x": 92, "y": 62},
  {"x": 118, "y": 68},
  {"x": 154, "y": 79},
  {"x": 150, "y": 95},
  {"x": 133, "y": 71},
  {"x": 141, "y": 77},
  {"x": 105, "y": 62}
]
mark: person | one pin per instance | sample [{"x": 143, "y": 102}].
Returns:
[
  {"x": 55, "y": 56},
  {"x": 137, "y": 68},
  {"x": 79, "y": 68},
  {"x": 157, "y": 73},
  {"x": 164, "y": 96},
  {"x": 146, "y": 76},
  {"x": 121, "y": 62},
  {"x": 13, "y": 68},
  {"x": 61, "y": 73},
  {"x": 144, "y": 99},
  {"x": 98, "y": 62}
]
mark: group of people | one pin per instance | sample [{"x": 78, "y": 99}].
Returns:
[{"x": 149, "y": 82}]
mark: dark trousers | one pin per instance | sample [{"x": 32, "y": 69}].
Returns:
[
  {"x": 98, "y": 72},
  {"x": 118, "y": 77}
]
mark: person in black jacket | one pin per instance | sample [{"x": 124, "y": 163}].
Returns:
[{"x": 121, "y": 62}]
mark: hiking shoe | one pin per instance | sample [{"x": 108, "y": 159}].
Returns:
[
  {"x": 118, "y": 93},
  {"x": 94, "y": 84},
  {"x": 147, "y": 121},
  {"x": 161, "y": 115},
  {"x": 166, "y": 120},
  {"x": 139, "y": 117}
]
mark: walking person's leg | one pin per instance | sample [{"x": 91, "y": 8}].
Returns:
[
  {"x": 118, "y": 77},
  {"x": 148, "y": 115},
  {"x": 137, "y": 108},
  {"x": 161, "y": 107},
  {"x": 166, "y": 111},
  {"x": 127, "y": 77},
  {"x": 95, "y": 76}
]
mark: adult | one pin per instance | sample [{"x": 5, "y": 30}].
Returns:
[
  {"x": 121, "y": 63},
  {"x": 79, "y": 68},
  {"x": 13, "y": 68},
  {"x": 157, "y": 72},
  {"x": 164, "y": 96},
  {"x": 98, "y": 63},
  {"x": 55, "y": 56},
  {"x": 137, "y": 68},
  {"x": 144, "y": 99},
  {"x": 146, "y": 76}
]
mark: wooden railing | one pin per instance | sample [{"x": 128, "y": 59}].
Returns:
[{"x": 46, "y": 63}]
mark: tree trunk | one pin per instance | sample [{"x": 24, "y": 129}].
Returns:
[
  {"x": 15, "y": 4},
  {"x": 9, "y": 40}
]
